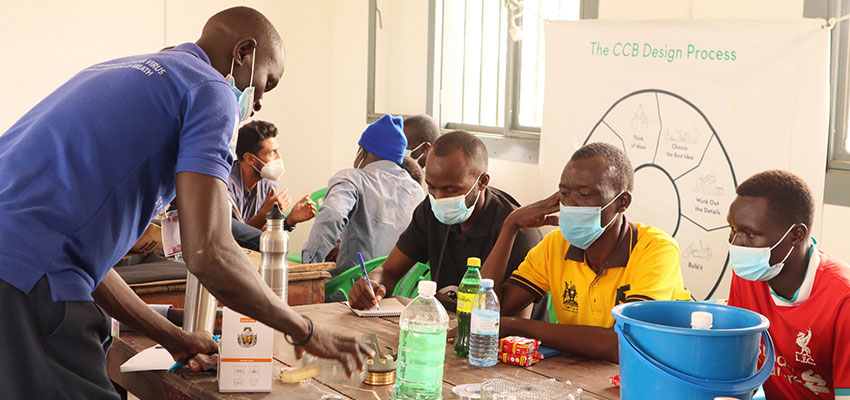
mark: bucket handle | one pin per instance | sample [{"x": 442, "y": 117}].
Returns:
[{"x": 707, "y": 385}]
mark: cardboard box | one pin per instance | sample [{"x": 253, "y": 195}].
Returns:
[{"x": 245, "y": 354}]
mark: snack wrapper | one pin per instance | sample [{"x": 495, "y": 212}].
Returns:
[
  {"x": 518, "y": 345},
  {"x": 523, "y": 360}
]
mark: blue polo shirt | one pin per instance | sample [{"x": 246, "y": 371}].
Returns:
[{"x": 84, "y": 171}]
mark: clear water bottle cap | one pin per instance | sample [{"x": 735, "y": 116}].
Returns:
[
  {"x": 486, "y": 284},
  {"x": 701, "y": 320},
  {"x": 427, "y": 288}
]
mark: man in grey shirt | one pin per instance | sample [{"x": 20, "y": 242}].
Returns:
[
  {"x": 368, "y": 206},
  {"x": 252, "y": 185}
]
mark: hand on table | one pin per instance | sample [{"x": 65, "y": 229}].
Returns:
[
  {"x": 361, "y": 298},
  {"x": 348, "y": 350},
  {"x": 197, "y": 345}
]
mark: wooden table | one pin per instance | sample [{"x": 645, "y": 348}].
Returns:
[
  {"x": 306, "y": 285},
  {"x": 590, "y": 375}
]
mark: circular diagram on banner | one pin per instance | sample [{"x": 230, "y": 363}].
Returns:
[{"x": 684, "y": 180}]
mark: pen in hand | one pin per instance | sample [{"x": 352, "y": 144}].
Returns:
[{"x": 368, "y": 282}]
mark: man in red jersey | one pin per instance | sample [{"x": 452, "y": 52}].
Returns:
[{"x": 804, "y": 292}]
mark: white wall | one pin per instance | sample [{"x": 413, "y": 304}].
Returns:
[
  {"x": 401, "y": 54},
  {"x": 46, "y": 42},
  {"x": 834, "y": 235}
]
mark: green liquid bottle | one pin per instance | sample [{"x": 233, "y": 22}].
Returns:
[
  {"x": 466, "y": 292},
  {"x": 421, "y": 347}
]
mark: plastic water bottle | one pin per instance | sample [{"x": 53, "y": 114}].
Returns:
[
  {"x": 484, "y": 327},
  {"x": 421, "y": 347},
  {"x": 466, "y": 293}
]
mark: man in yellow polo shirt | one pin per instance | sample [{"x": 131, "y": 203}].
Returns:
[{"x": 596, "y": 260}]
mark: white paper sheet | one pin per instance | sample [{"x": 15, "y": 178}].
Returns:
[{"x": 155, "y": 358}]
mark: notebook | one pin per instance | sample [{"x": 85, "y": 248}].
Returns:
[{"x": 390, "y": 307}]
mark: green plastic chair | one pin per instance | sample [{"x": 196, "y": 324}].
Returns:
[
  {"x": 408, "y": 286},
  {"x": 318, "y": 197},
  {"x": 553, "y": 318},
  {"x": 345, "y": 281}
]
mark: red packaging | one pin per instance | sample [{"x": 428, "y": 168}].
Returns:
[
  {"x": 523, "y": 360},
  {"x": 518, "y": 345}
]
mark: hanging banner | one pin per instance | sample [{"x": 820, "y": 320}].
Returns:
[{"x": 698, "y": 107}]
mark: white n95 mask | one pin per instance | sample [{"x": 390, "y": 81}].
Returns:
[
  {"x": 232, "y": 144},
  {"x": 271, "y": 170}
]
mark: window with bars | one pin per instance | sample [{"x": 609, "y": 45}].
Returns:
[
  {"x": 840, "y": 88},
  {"x": 493, "y": 63},
  {"x": 837, "y": 183},
  {"x": 485, "y": 63}
]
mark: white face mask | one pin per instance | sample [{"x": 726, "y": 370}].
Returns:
[
  {"x": 271, "y": 170},
  {"x": 360, "y": 164},
  {"x": 409, "y": 153}
]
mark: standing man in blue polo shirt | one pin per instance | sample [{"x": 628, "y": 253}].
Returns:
[{"x": 85, "y": 171}]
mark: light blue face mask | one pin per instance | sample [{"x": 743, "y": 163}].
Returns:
[
  {"x": 753, "y": 263},
  {"x": 245, "y": 98},
  {"x": 581, "y": 226},
  {"x": 453, "y": 210}
]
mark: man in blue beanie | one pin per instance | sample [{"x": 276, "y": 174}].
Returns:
[{"x": 367, "y": 207}]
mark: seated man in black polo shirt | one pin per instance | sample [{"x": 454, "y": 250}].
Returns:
[{"x": 467, "y": 221}]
